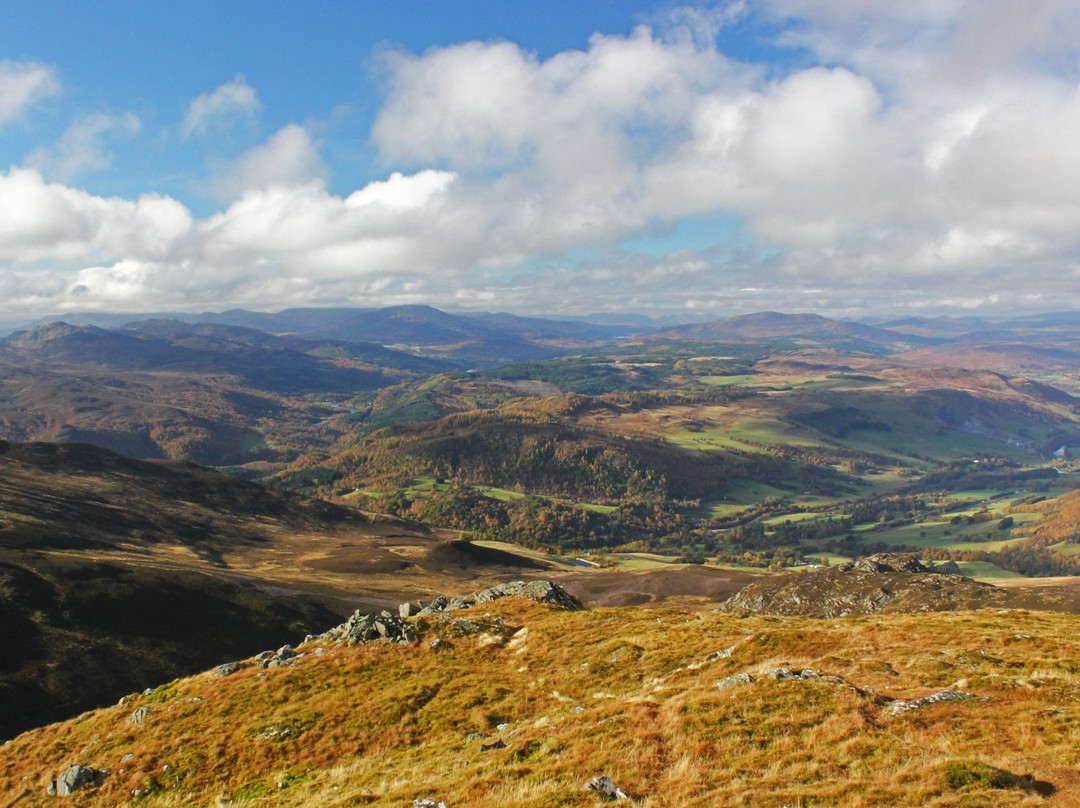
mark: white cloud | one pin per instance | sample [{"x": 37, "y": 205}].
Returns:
[
  {"x": 82, "y": 147},
  {"x": 287, "y": 160},
  {"x": 56, "y": 225},
  {"x": 23, "y": 84},
  {"x": 901, "y": 169},
  {"x": 232, "y": 103}
]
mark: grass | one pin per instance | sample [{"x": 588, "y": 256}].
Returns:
[
  {"x": 612, "y": 692},
  {"x": 985, "y": 571}
]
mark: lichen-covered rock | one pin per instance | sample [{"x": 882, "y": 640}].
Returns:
[
  {"x": 364, "y": 628},
  {"x": 604, "y": 786},
  {"x": 735, "y": 680},
  {"x": 900, "y": 707},
  {"x": 437, "y": 605},
  {"x": 139, "y": 715},
  {"x": 75, "y": 777},
  {"x": 546, "y": 592}
]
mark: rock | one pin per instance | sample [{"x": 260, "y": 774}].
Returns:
[
  {"x": 892, "y": 582},
  {"x": 139, "y": 715},
  {"x": 75, "y": 777},
  {"x": 464, "y": 627},
  {"x": 734, "y": 680},
  {"x": 437, "y": 605},
  {"x": 900, "y": 707},
  {"x": 226, "y": 669},
  {"x": 406, "y": 609},
  {"x": 782, "y": 673},
  {"x": 604, "y": 786},
  {"x": 887, "y": 562},
  {"x": 428, "y": 804},
  {"x": 285, "y": 655},
  {"x": 540, "y": 591},
  {"x": 438, "y": 645},
  {"x": 364, "y": 628}
]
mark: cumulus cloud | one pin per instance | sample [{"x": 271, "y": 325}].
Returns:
[
  {"x": 232, "y": 103},
  {"x": 23, "y": 84},
  {"x": 895, "y": 166},
  {"x": 287, "y": 160},
  {"x": 82, "y": 148},
  {"x": 51, "y": 223}
]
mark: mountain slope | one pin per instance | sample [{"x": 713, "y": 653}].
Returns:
[
  {"x": 424, "y": 329},
  {"x": 213, "y": 395},
  {"x": 517, "y": 704},
  {"x": 117, "y": 573}
]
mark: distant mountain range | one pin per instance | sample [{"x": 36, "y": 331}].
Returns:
[
  {"x": 773, "y": 325},
  {"x": 238, "y": 386}
]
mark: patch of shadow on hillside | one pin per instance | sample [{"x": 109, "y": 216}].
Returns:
[{"x": 465, "y": 555}]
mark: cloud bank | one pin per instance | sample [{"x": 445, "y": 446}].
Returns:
[{"x": 917, "y": 156}]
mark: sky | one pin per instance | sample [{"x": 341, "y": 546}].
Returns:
[{"x": 697, "y": 161}]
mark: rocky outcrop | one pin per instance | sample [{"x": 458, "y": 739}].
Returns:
[
  {"x": 885, "y": 562},
  {"x": 887, "y": 582},
  {"x": 901, "y": 707},
  {"x": 75, "y": 777},
  {"x": 285, "y": 655},
  {"x": 363, "y": 628},
  {"x": 545, "y": 592}
]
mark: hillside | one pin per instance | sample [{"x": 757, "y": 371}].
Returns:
[
  {"x": 117, "y": 573},
  {"x": 478, "y": 340},
  {"x": 513, "y": 703},
  {"x": 209, "y": 394}
]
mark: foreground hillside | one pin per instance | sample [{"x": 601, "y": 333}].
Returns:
[{"x": 514, "y": 703}]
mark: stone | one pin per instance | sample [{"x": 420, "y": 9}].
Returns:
[
  {"x": 140, "y": 714},
  {"x": 363, "y": 628},
  {"x": 545, "y": 592},
  {"x": 734, "y": 680},
  {"x": 900, "y": 707},
  {"x": 406, "y": 609},
  {"x": 226, "y": 669},
  {"x": 604, "y": 786},
  {"x": 437, "y": 605},
  {"x": 428, "y": 804},
  {"x": 75, "y": 777}
]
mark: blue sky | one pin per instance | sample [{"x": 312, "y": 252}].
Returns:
[{"x": 696, "y": 160}]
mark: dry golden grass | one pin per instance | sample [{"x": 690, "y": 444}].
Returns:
[{"x": 604, "y": 692}]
